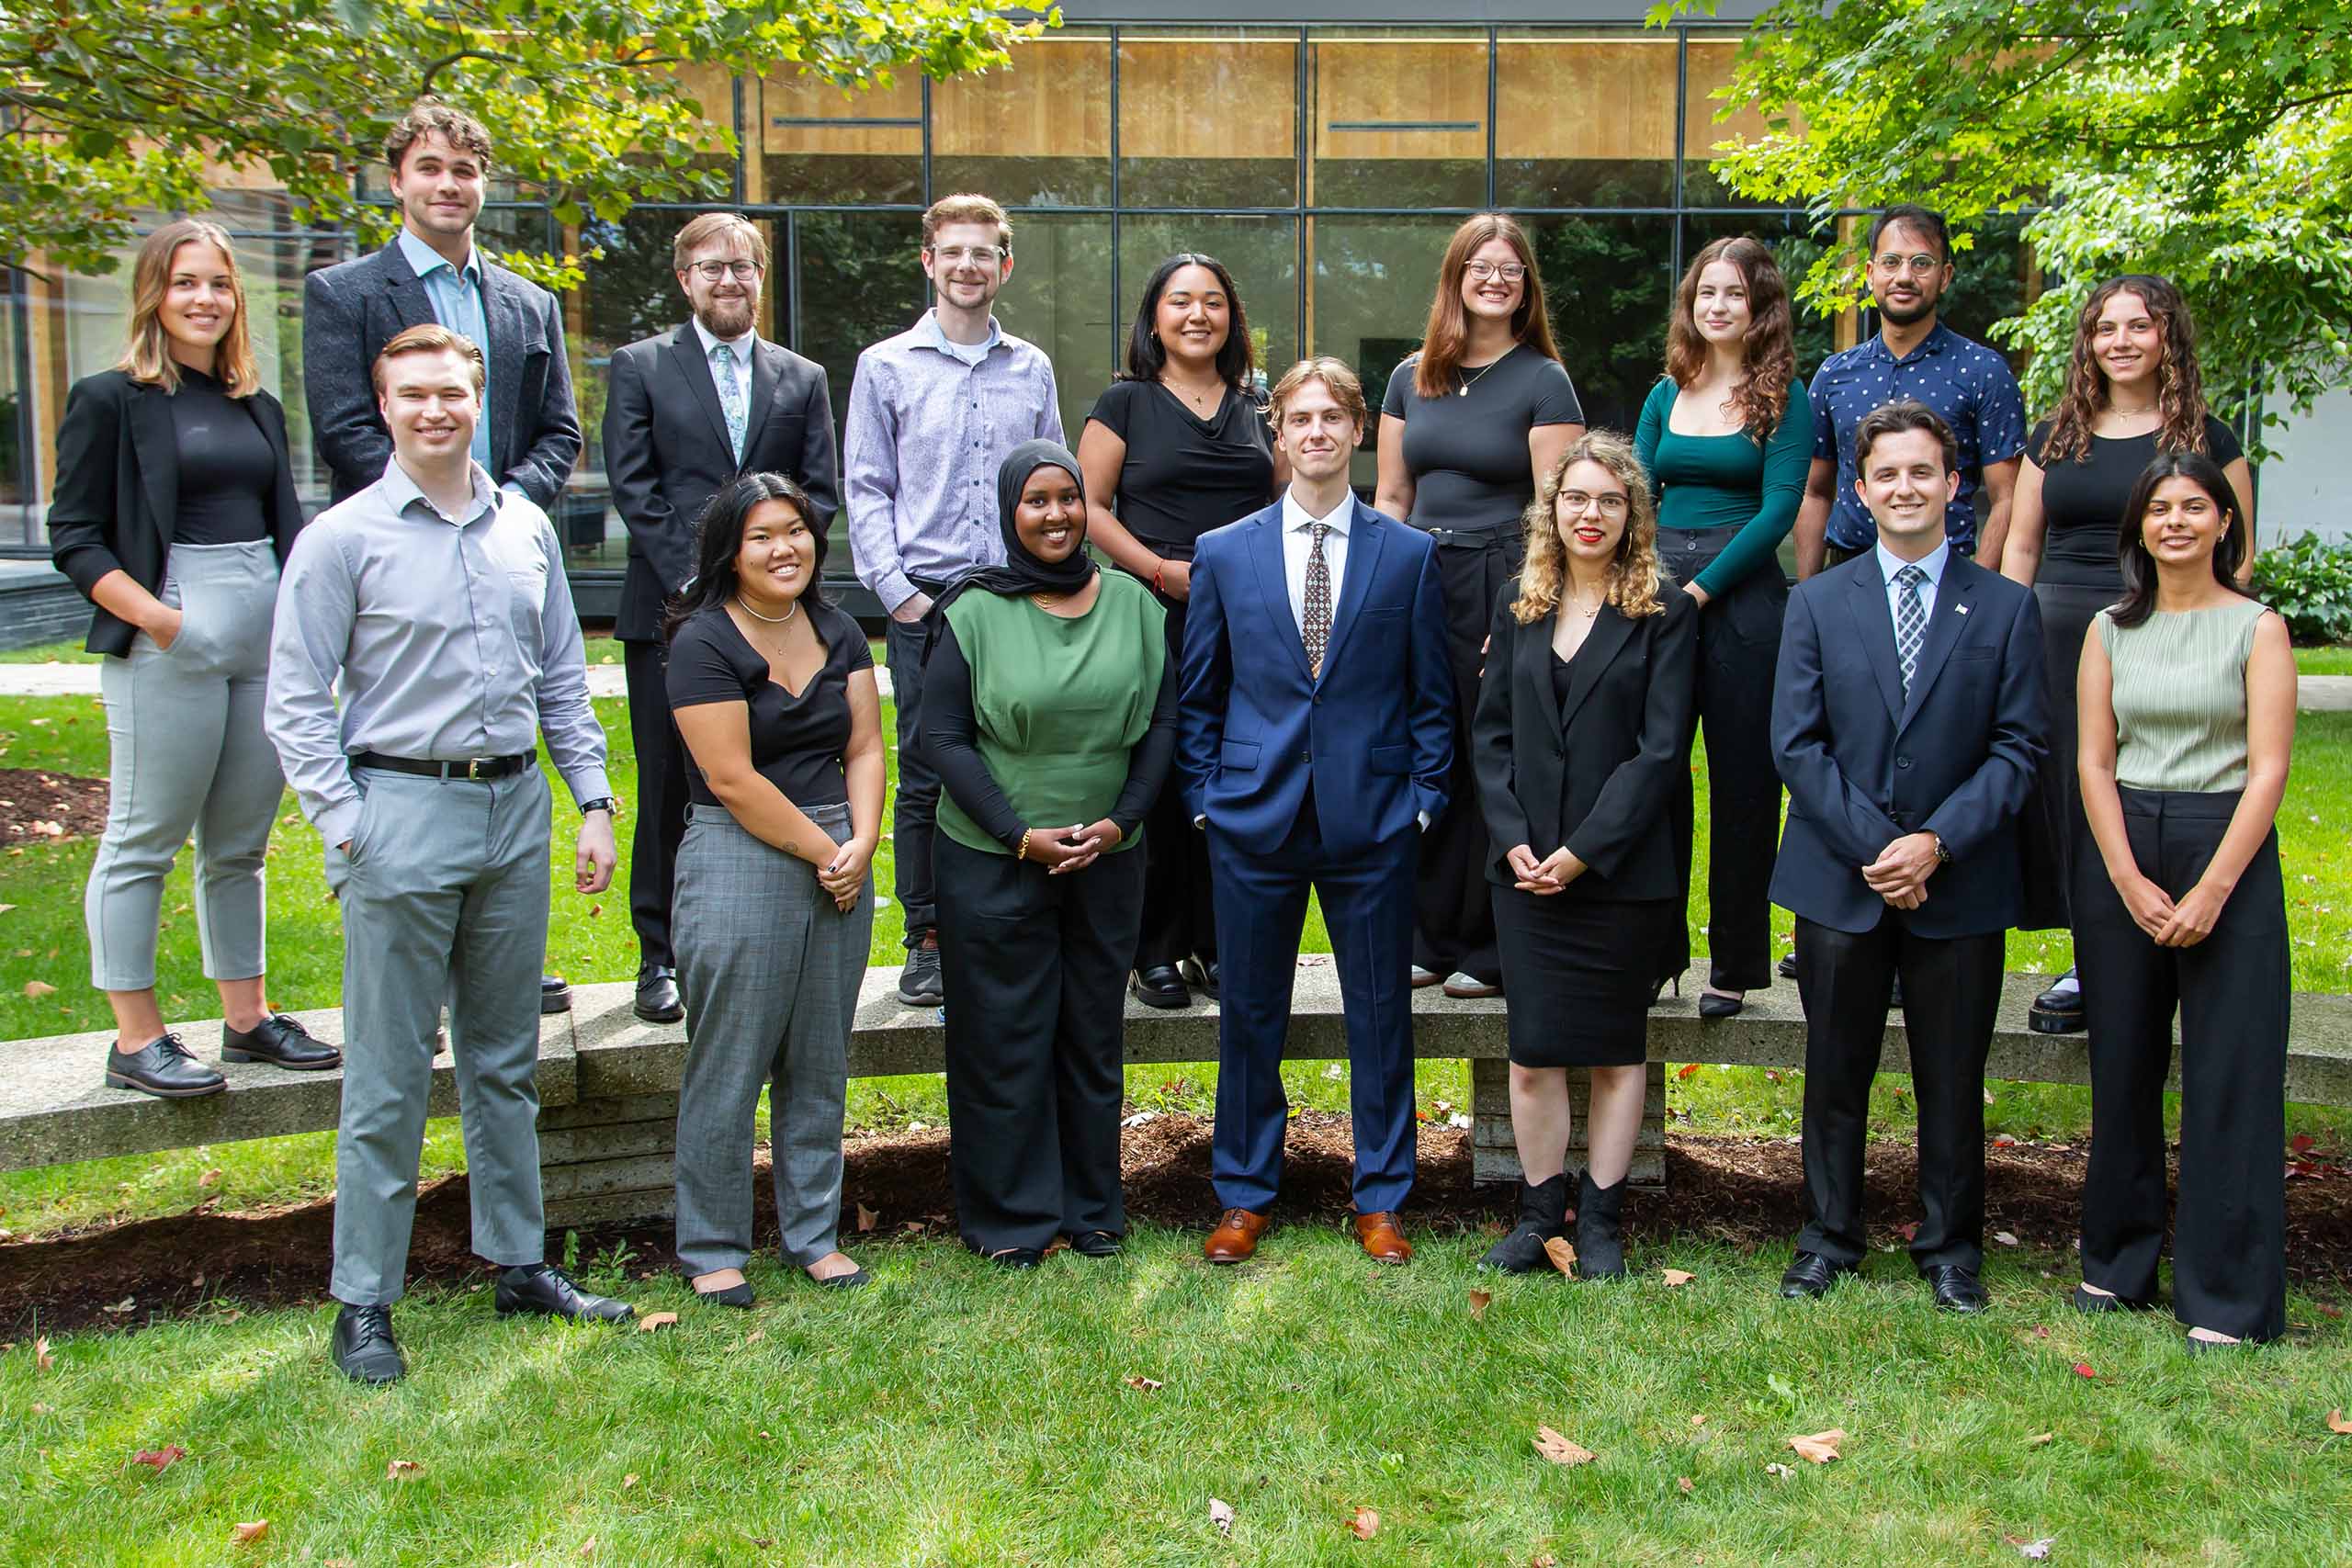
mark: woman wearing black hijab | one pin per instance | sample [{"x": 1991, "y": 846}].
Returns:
[{"x": 1050, "y": 713}]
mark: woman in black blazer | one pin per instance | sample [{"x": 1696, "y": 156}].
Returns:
[
  {"x": 1583, "y": 713},
  {"x": 172, "y": 510}
]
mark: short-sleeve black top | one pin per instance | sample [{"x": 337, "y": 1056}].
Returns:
[
  {"x": 2083, "y": 500},
  {"x": 1185, "y": 475},
  {"x": 797, "y": 742},
  {"x": 1467, "y": 452}
]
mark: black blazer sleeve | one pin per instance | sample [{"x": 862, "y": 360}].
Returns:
[
  {"x": 948, "y": 729},
  {"x": 345, "y": 427},
  {"x": 547, "y": 463},
  {"x": 1992, "y": 797},
  {"x": 1632, "y": 805},
  {"x": 820, "y": 463},
  {"x": 1490, "y": 731},
  {"x": 85, "y": 508},
  {"x": 1148, "y": 764},
  {"x": 636, "y": 480}
]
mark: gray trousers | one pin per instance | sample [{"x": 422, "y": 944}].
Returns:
[
  {"x": 445, "y": 894},
  {"x": 188, "y": 754},
  {"x": 769, "y": 969}
]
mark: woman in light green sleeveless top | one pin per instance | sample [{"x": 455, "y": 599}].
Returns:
[
  {"x": 2186, "y": 703},
  {"x": 1050, "y": 713}
]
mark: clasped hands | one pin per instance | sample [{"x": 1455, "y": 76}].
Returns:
[
  {"x": 841, "y": 868},
  {"x": 1900, "y": 874},
  {"x": 1550, "y": 875},
  {"x": 2184, "y": 924},
  {"x": 1073, "y": 848}
]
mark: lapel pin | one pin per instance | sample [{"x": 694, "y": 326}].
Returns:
[{"x": 1962, "y": 608}]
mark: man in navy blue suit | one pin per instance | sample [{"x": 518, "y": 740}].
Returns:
[
  {"x": 1314, "y": 734},
  {"x": 1908, "y": 715}
]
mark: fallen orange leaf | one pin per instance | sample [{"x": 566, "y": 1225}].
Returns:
[
  {"x": 2337, "y": 1423},
  {"x": 43, "y": 1360},
  {"x": 1699, "y": 1420},
  {"x": 2085, "y": 1369},
  {"x": 250, "y": 1531},
  {"x": 2038, "y": 1438},
  {"x": 37, "y": 989},
  {"x": 1820, "y": 1447},
  {"x": 1675, "y": 1277},
  {"x": 1149, "y": 1385},
  {"x": 1559, "y": 1451},
  {"x": 1478, "y": 1300},
  {"x": 1364, "y": 1523},
  {"x": 754, "y": 1338},
  {"x": 399, "y": 1469},
  {"x": 1685, "y": 1070},
  {"x": 161, "y": 1459},
  {"x": 1562, "y": 1254},
  {"x": 653, "y": 1320},
  {"x": 1682, "y": 1485},
  {"x": 629, "y": 1481}
]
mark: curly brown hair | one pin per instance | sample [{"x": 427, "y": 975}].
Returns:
[
  {"x": 2180, "y": 391},
  {"x": 431, "y": 117},
  {"x": 1762, "y": 395},
  {"x": 1634, "y": 576}
]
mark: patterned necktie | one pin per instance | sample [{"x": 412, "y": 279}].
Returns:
[
  {"x": 1316, "y": 631},
  {"x": 1910, "y": 622},
  {"x": 730, "y": 398}
]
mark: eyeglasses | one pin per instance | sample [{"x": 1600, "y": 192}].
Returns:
[
  {"x": 742, "y": 271},
  {"x": 1606, "y": 505},
  {"x": 1916, "y": 266},
  {"x": 979, "y": 255},
  {"x": 1509, "y": 272}
]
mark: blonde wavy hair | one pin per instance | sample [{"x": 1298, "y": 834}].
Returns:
[
  {"x": 148, "y": 357},
  {"x": 1635, "y": 577}
]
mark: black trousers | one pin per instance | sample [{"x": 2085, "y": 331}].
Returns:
[
  {"x": 660, "y": 822},
  {"x": 1739, "y": 642},
  {"x": 1035, "y": 968},
  {"x": 1179, "y": 916},
  {"x": 2229, "y": 1254},
  {"x": 915, "y": 807},
  {"x": 2053, "y": 824},
  {"x": 1951, "y": 987},
  {"x": 1453, "y": 915}
]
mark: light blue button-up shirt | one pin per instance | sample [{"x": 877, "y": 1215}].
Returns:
[
  {"x": 1932, "y": 563},
  {"x": 459, "y": 305}
]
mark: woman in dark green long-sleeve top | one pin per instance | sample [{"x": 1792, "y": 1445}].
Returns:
[{"x": 1728, "y": 447}]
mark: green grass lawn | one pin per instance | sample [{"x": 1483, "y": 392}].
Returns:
[{"x": 953, "y": 1415}]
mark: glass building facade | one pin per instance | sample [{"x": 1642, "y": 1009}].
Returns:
[{"x": 1325, "y": 164}]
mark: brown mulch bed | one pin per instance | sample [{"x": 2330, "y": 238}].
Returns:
[
  {"x": 1742, "y": 1192},
  {"x": 37, "y": 803}
]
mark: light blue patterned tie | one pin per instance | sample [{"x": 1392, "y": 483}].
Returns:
[
  {"x": 1910, "y": 622},
  {"x": 730, "y": 398}
]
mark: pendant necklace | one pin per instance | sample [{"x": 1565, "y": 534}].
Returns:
[{"x": 1470, "y": 381}]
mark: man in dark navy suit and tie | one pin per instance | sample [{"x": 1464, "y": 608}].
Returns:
[
  {"x": 1908, "y": 715},
  {"x": 1314, "y": 734}
]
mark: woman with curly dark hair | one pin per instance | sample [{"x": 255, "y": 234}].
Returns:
[
  {"x": 1727, "y": 449},
  {"x": 2133, "y": 394}
]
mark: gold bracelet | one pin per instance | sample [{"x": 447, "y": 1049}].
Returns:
[{"x": 1022, "y": 853}]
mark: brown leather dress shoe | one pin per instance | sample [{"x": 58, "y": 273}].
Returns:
[
  {"x": 1235, "y": 1240},
  {"x": 1383, "y": 1238}
]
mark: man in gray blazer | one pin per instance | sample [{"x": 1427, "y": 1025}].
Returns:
[
  {"x": 529, "y": 434},
  {"x": 688, "y": 411}
]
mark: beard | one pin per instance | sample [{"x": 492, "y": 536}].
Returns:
[
  {"x": 728, "y": 317},
  {"x": 1904, "y": 315}
]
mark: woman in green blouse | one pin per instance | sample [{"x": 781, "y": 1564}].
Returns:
[
  {"x": 1728, "y": 447},
  {"x": 1050, "y": 713}
]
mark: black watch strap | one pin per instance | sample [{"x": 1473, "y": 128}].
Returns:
[{"x": 602, "y": 803}]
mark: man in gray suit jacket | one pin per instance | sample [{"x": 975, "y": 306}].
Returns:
[
  {"x": 529, "y": 433},
  {"x": 687, "y": 413}
]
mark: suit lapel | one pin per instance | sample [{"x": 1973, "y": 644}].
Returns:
[
  {"x": 502, "y": 304},
  {"x": 1609, "y": 634},
  {"x": 157, "y": 447},
  {"x": 1274, "y": 584},
  {"x": 1954, "y": 597},
  {"x": 412, "y": 306},
  {"x": 1866, "y": 596},
  {"x": 686, "y": 349},
  {"x": 1532, "y": 663},
  {"x": 1367, "y": 532},
  {"x": 767, "y": 369}
]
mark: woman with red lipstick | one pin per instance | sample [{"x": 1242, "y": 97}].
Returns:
[
  {"x": 2186, "y": 705},
  {"x": 2133, "y": 392}
]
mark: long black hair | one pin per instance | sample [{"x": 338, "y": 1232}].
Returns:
[
  {"x": 2140, "y": 567},
  {"x": 1236, "y": 362},
  {"x": 719, "y": 535}
]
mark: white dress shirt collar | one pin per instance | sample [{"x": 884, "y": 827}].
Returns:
[
  {"x": 742, "y": 346},
  {"x": 1932, "y": 563},
  {"x": 1295, "y": 516}
]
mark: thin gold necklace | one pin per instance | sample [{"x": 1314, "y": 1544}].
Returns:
[{"x": 1470, "y": 381}]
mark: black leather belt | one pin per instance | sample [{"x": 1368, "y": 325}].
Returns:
[{"x": 473, "y": 768}]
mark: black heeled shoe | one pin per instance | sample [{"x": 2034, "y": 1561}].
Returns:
[
  {"x": 738, "y": 1294},
  {"x": 1658, "y": 990},
  {"x": 1714, "y": 1004},
  {"x": 1017, "y": 1257}
]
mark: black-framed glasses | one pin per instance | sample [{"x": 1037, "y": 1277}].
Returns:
[{"x": 742, "y": 271}]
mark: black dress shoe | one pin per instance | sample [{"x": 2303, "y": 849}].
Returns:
[
  {"x": 281, "y": 1042},
  {"x": 1160, "y": 985},
  {"x": 920, "y": 984},
  {"x": 1201, "y": 975},
  {"x": 1787, "y": 967},
  {"x": 1812, "y": 1275},
  {"x": 656, "y": 995},
  {"x": 1714, "y": 1004},
  {"x": 164, "y": 1069},
  {"x": 548, "y": 1291},
  {"x": 554, "y": 995},
  {"x": 364, "y": 1348},
  {"x": 1956, "y": 1289},
  {"x": 1017, "y": 1257},
  {"x": 2058, "y": 1011},
  {"x": 2091, "y": 1301},
  {"x": 738, "y": 1294},
  {"x": 1094, "y": 1244}
]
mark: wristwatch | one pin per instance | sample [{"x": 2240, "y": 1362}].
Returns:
[
  {"x": 1943, "y": 855},
  {"x": 602, "y": 803}
]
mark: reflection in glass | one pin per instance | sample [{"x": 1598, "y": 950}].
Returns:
[
  {"x": 1035, "y": 134},
  {"x": 1060, "y": 299},
  {"x": 818, "y": 142},
  {"x": 860, "y": 282},
  {"x": 1261, "y": 252},
  {"x": 15, "y": 417},
  {"x": 1584, "y": 120},
  {"x": 1400, "y": 119},
  {"x": 1711, "y": 65},
  {"x": 1795, "y": 247},
  {"x": 1370, "y": 299},
  {"x": 1207, "y": 117},
  {"x": 1610, "y": 284}
]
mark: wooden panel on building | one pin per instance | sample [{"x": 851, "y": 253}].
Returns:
[
  {"x": 1181, "y": 98},
  {"x": 1398, "y": 97},
  {"x": 1054, "y": 101},
  {"x": 1585, "y": 97}
]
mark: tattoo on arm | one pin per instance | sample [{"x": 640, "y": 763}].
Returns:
[{"x": 791, "y": 847}]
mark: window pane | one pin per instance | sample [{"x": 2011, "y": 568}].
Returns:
[
  {"x": 1060, "y": 299},
  {"x": 1208, "y": 118},
  {"x": 1370, "y": 296},
  {"x": 16, "y": 499},
  {"x": 860, "y": 282},
  {"x": 1609, "y": 284},
  {"x": 1400, "y": 119},
  {"x": 820, "y": 142},
  {"x": 1261, "y": 252},
  {"x": 1585, "y": 119},
  {"x": 1992, "y": 279},
  {"x": 1711, "y": 66},
  {"x": 1034, "y": 134}
]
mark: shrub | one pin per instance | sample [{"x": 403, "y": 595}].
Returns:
[{"x": 2310, "y": 583}]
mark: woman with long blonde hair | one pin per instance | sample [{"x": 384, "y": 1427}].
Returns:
[
  {"x": 2133, "y": 394},
  {"x": 173, "y": 509},
  {"x": 1470, "y": 422},
  {"x": 1577, "y": 747}
]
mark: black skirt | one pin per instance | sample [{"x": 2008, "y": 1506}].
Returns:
[{"x": 1578, "y": 973}]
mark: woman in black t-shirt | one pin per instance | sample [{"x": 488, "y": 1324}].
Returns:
[
  {"x": 1175, "y": 448},
  {"x": 774, "y": 697},
  {"x": 1469, "y": 422},
  {"x": 2133, "y": 392}
]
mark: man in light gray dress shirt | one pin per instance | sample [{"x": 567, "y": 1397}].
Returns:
[{"x": 438, "y": 602}]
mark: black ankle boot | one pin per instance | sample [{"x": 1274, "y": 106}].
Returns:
[
  {"x": 1600, "y": 1250},
  {"x": 1543, "y": 1208}
]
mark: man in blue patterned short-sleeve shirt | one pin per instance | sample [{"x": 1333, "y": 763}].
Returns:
[{"x": 1914, "y": 356}]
